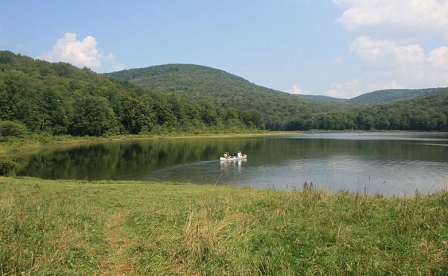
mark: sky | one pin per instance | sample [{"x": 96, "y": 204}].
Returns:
[{"x": 337, "y": 48}]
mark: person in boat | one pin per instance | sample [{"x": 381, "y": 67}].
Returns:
[
  {"x": 226, "y": 155},
  {"x": 239, "y": 155}
]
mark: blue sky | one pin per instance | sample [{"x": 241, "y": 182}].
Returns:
[{"x": 339, "y": 48}]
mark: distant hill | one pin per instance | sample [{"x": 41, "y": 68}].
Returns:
[
  {"x": 201, "y": 83},
  {"x": 322, "y": 98},
  {"x": 394, "y": 95},
  {"x": 222, "y": 89},
  {"x": 59, "y": 99}
]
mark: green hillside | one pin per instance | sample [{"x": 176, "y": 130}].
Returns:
[
  {"x": 399, "y": 109},
  {"x": 58, "y": 99},
  {"x": 394, "y": 95},
  {"x": 223, "y": 89},
  {"x": 322, "y": 98}
]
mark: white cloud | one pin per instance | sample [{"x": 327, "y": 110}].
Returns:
[
  {"x": 374, "y": 86},
  {"x": 79, "y": 53},
  {"x": 439, "y": 58},
  {"x": 339, "y": 60},
  {"x": 390, "y": 60},
  {"x": 296, "y": 90},
  {"x": 345, "y": 90},
  {"x": 386, "y": 53},
  {"x": 388, "y": 41},
  {"x": 397, "y": 17},
  {"x": 357, "y": 87}
]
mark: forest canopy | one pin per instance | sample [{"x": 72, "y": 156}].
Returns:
[{"x": 60, "y": 99}]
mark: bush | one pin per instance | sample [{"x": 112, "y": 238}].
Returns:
[
  {"x": 8, "y": 128},
  {"x": 8, "y": 167}
]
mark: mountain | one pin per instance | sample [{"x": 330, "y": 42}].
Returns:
[
  {"x": 59, "y": 99},
  {"x": 322, "y": 98},
  {"x": 222, "y": 89},
  {"x": 201, "y": 83},
  {"x": 394, "y": 95},
  {"x": 423, "y": 109}
]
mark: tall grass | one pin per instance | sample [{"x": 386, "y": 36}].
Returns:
[{"x": 135, "y": 228}]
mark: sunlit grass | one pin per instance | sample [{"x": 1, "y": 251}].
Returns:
[{"x": 136, "y": 228}]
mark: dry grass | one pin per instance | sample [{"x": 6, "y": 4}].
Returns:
[{"x": 135, "y": 228}]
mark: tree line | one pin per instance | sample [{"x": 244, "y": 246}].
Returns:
[
  {"x": 423, "y": 109},
  {"x": 421, "y": 114},
  {"x": 61, "y": 99}
]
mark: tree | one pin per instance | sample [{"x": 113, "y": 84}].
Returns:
[
  {"x": 252, "y": 118},
  {"x": 12, "y": 129},
  {"x": 94, "y": 117}
]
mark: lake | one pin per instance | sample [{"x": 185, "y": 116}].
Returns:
[{"x": 389, "y": 163}]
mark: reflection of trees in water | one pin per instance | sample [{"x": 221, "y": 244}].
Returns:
[
  {"x": 133, "y": 159},
  {"x": 128, "y": 160}
]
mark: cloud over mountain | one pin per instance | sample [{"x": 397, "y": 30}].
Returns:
[
  {"x": 391, "y": 41},
  {"x": 78, "y": 52}
]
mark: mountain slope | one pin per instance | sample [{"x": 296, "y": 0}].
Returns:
[
  {"x": 322, "y": 98},
  {"x": 202, "y": 83},
  {"x": 60, "y": 99},
  {"x": 393, "y": 95}
]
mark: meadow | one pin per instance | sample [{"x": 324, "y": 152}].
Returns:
[{"x": 64, "y": 227}]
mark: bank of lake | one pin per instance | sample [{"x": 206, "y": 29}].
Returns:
[
  {"x": 140, "y": 228},
  {"x": 66, "y": 227}
]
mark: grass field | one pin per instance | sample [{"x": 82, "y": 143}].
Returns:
[{"x": 134, "y": 228}]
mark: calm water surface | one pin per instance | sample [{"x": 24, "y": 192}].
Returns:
[{"x": 388, "y": 163}]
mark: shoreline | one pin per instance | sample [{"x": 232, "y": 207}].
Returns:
[
  {"x": 138, "y": 228},
  {"x": 19, "y": 146}
]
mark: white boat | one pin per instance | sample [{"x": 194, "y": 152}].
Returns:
[{"x": 233, "y": 158}]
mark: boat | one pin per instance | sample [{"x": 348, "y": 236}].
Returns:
[{"x": 233, "y": 158}]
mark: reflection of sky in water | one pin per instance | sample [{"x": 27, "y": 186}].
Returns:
[
  {"x": 397, "y": 177},
  {"x": 397, "y": 163},
  {"x": 364, "y": 173}
]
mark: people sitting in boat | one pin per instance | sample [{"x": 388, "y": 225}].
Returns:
[
  {"x": 239, "y": 154},
  {"x": 226, "y": 155}
]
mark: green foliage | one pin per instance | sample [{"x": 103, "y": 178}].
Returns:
[
  {"x": 223, "y": 90},
  {"x": 8, "y": 167},
  {"x": 393, "y": 95},
  {"x": 12, "y": 129},
  {"x": 93, "y": 117},
  {"x": 260, "y": 107},
  {"x": 60, "y": 99}
]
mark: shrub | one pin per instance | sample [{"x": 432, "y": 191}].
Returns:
[
  {"x": 8, "y": 128},
  {"x": 8, "y": 167}
]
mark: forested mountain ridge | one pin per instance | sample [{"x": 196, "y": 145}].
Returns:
[
  {"x": 59, "y": 98},
  {"x": 394, "y": 95},
  {"x": 321, "y": 98},
  {"x": 223, "y": 89},
  {"x": 401, "y": 110}
]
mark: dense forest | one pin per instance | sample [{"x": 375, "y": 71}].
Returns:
[
  {"x": 60, "y": 99},
  {"x": 225, "y": 90},
  {"x": 393, "y": 95},
  {"x": 407, "y": 109}
]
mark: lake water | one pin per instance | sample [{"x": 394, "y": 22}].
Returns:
[{"x": 393, "y": 164}]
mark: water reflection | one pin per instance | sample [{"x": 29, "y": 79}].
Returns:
[{"x": 388, "y": 163}]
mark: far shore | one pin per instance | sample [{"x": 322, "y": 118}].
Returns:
[{"x": 19, "y": 146}]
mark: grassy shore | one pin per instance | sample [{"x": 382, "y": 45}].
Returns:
[
  {"x": 134, "y": 228},
  {"x": 13, "y": 146}
]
